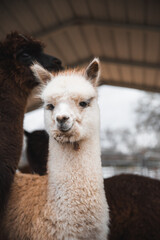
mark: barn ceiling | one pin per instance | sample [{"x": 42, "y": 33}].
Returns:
[{"x": 125, "y": 34}]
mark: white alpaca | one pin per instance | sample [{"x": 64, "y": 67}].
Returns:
[{"x": 69, "y": 203}]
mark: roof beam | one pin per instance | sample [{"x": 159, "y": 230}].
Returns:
[
  {"x": 53, "y": 29},
  {"x": 121, "y": 83},
  {"x": 116, "y": 61}
]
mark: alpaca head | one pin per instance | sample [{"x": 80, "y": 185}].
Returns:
[
  {"x": 17, "y": 54},
  {"x": 70, "y": 102}
]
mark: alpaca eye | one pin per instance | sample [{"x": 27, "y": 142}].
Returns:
[
  {"x": 83, "y": 104},
  {"x": 25, "y": 55},
  {"x": 50, "y": 107}
]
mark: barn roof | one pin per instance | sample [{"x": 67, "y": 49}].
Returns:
[{"x": 125, "y": 34}]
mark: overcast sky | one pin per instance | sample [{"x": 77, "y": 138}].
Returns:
[{"x": 117, "y": 106}]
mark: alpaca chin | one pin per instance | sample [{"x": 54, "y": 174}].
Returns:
[{"x": 66, "y": 137}]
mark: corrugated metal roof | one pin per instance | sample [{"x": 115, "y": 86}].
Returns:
[{"x": 125, "y": 34}]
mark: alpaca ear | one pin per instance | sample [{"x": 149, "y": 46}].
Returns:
[
  {"x": 40, "y": 73},
  {"x": 92, "y": 72}
]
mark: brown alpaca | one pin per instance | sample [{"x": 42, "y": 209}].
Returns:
[
  {"x": 17, "y": 52},
  {"x": 134, "y": 201},
  {"x": 134, "y": 204}
]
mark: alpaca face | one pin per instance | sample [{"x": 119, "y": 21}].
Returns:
[
  {"x": 71, "y": 111},
  {"x": 29, "y": 53}
]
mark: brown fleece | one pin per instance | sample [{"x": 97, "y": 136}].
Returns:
[
  {"x": 16, "y": 83},
  {"x": 134, "y": 204}
]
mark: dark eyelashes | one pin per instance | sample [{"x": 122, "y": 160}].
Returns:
[
  {"x": 85, "y": 104},
  {"x": 82, "y": 104},
  {"x": 49, "y": 107}
]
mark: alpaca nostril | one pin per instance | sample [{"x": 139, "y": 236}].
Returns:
[{"x": 61, "y": 119}]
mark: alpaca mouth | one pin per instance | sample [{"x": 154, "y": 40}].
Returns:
[
  {"x": 64, "y": 128},
  {"x": 66, "y": 135}
]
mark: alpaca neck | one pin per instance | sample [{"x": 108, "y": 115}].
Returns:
[
  {"x": 65, "y": 163},
  {"x": 11, "y": 124},
  {"x": 75, "y": 188}
]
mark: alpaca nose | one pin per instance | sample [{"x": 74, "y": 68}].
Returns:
[{"x": 62, "y": 119}]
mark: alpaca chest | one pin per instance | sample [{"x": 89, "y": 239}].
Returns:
[{"x": 80, "y": 210}]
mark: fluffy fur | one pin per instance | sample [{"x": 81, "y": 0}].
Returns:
[
  {"x": 134, "y": 203},
  {"x": 17, "y": 52},
  {"x": 69, "y": 203}
]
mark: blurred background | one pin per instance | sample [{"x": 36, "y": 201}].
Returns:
[{"x": 125, "y": 35}]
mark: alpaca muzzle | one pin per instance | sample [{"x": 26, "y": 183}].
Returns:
[
  {"x": 50, "y": 63},
  {"x": 64, "y": 123}
]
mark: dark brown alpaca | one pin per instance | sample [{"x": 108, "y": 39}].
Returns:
[
  {"x": 17, "y": 52},
  {"x": 134, "y": 201},
  {"x": 37, "y": 151}
]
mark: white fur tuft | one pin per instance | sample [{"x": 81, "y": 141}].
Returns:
[{"x": 40, "y": 73}]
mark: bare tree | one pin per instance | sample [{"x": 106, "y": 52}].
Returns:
[
  {"x": 120, "y": 140},
  {"x": 147, "y": 125},
  {"x": 148, "y": 113}
]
